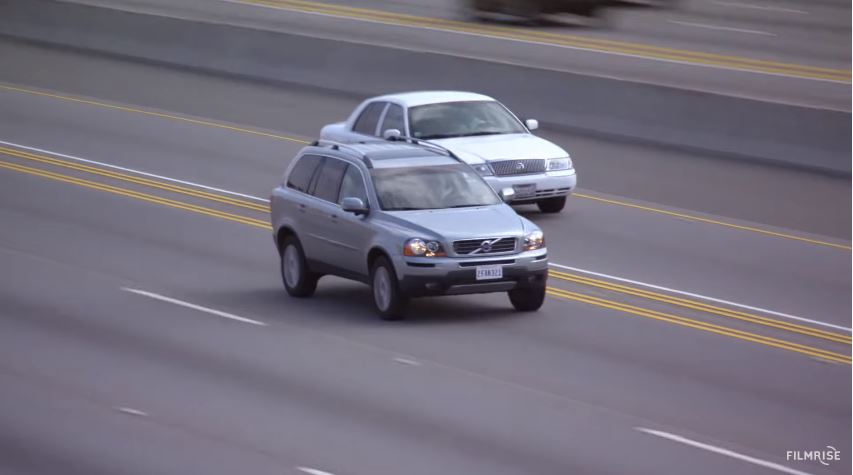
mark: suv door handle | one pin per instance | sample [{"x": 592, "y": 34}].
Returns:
[
  {"x": 334, "y": 216},
  {"x": 301, "y": 208}
]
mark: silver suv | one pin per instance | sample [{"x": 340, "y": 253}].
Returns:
[{"x": 407, "y": 218}]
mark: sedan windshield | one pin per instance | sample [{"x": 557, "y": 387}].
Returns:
[
  {"x": 462, "y": 119},
  {"x": 433, "y": 187}
]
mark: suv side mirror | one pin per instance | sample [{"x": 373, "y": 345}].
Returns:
[
  {"x": 507, "y": 194},
  {"x": 354, "y": 206},
  {"x": 391, "y": 134},
  {"x": 532, "y": 124}
]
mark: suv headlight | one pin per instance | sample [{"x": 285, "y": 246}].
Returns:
[
  {"x": 556, "y": 164},
  {"x": 483, "y": 169},
  {"x": 534, "y": 241},
  {"x": 421, "y": 248}
]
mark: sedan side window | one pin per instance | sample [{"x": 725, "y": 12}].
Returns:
[
  {"x": 393, "y": 120},
  {"x": 328, "y": 182},
  {"x": 353, "y": 186},
  {"x": 300, "y": 177},
  {"x": 369, "y": 118}
]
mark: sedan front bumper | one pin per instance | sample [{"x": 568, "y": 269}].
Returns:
[{"x": 531, "y": 188}]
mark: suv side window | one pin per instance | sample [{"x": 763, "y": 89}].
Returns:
[
  {"x": 328, "y": 183},
  {"x": 353, "y": 185},
  {"x": 300, "y": 176},
  {"x": 393, "y": 120},
  {"x": 366, "y": 122}
]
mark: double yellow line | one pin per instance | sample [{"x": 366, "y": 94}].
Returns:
[
  {"x": 703, "y": 307},
  {"x": 700, "y": 325},
  {"x": 565, "y": 40},
  {"x": 556, "y": 292},
  {"x": 138, "y": 195}
]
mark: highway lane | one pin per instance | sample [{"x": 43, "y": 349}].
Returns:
[
  {"x": 750, "y": 394},
  {"x": 630, "y": 243},
  {"x": 324, "y": 384},
  {"x": 806, "y": 60}
]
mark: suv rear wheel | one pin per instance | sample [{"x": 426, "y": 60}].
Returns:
[
  {"x": 387, "y": 297},
  {"x": 298, "y": 280},
  {"x": 527, "y": 299},
  {"x": 552, "y": 205}
]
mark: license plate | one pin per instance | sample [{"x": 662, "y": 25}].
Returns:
[
  {"x": 525, "y": 191},
  {"x": 489, "y": 272}
]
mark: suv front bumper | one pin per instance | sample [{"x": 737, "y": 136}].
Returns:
[{"x": 426, "y": 276}]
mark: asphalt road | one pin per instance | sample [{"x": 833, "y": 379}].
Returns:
[
  {"x": 144, "y": 328},
  {"x": 790, "y": 51}
]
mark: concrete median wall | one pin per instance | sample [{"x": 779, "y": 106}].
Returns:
[{"x": 783, "y": 134}]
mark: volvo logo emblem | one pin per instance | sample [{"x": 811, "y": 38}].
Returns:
[
  {"x": 519, "y": 166},
  {"x": 485, "y": 246}
]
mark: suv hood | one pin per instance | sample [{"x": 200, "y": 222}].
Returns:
[
  {"x": 502, "y": 147},
  {"x": 462, "y": 223}
]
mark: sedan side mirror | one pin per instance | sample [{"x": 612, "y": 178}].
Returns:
[
  {"x": 354, "y": 205},
  {"x": 532, "y": 124},
  {"x": 507, "y": 194},
  {"x": 391, "y": 134}
]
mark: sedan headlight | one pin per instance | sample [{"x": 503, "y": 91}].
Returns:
[
  {"x": 421, "y": 248},
  {"x": 483, "y": 169},
  {"x": 534, "y": 241},
  {"x": 556, "y": 164}
]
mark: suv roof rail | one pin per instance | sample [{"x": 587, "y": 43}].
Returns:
[{"x": 424, "y": 143}]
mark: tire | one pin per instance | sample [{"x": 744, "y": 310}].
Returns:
[
  {"x": 552, "y": 205},
  {"x": 388, "y": 300},
  {"x": 298, "y": 280},
  {"x": 527, "y": 299}
]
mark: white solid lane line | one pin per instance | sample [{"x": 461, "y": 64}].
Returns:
[
  {"x": 193, "y": 306},
  {"x": 703, "y": 297},
  {"x": 722, "y": 28},
  {"x": 131, "y": 170},
  {"x": 722, "y": 451},
  {"x": 760, "y": 7},
  {"x": 131, "y": 411},
  {"x": 553, "y": 264}
]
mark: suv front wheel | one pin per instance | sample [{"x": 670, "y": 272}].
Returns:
[
  {"x": 387, "y": 297},
  {"x": 527, "y": 299},
  {"x": 298, "y": 280}
]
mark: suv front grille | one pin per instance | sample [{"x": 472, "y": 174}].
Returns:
[
  {"x": 518, "y": 167},
  {"x": 484, "y": 246}
]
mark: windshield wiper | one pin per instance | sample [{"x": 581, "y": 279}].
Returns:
[
  {"x": 469, "y": 205},
  {"x": 485, "y": 132},
  {"x": 405, "y": 208}
]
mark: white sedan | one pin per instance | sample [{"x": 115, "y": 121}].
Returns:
[{"x": 479, "y": 130}]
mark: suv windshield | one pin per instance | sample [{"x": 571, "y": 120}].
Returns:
[
  {"x": 462, "y": 119},
  {"x": 434, "y": 187}
]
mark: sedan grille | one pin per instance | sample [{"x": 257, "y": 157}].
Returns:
[
  {"x": 484, "y": 246},
  {"x": 518, "y": 167}
]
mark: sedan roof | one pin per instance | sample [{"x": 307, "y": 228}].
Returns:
[{"x": 419, "y": 98}]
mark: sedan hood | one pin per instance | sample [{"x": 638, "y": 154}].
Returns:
[
  {"x": 502, "y": 147},
  {"x": 462, "y": 223}
]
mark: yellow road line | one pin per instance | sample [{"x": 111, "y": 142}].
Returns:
[
  {"x": 161, "y": 115},
  {"x": 575, "y": 41},
  {"x": 711, "y": 309},
  {"x": 135, "y": 194},
  {"x": 699, "y": 325},
  {"x": 138, "y": 180},
  {"x": 578, "y": 195},
  {"x": 712, "y": 221},
  {"x": 815, "y": 352}
]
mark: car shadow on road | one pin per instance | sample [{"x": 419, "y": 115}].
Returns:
[{"x": 345, "y": 303}]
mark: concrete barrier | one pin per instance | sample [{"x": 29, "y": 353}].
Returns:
[{"x": 778, "y": 133}]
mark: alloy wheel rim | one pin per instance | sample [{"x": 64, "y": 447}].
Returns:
[
  {"x": 382, "y": 289},
  {"x": 291, "y": 266}
]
